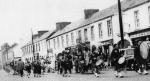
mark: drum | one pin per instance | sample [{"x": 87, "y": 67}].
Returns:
[
  {"x": 99, "y": 62},
  {"x": 121, "y": 60}
]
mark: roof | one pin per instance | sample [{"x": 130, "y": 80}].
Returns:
[
  {"x": 68, "y": 28},
  {"x": 42, "y": 37},
  {"x": 126, "y": 4}
]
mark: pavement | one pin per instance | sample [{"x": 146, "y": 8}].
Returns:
[{"x": 104, "y": 76}]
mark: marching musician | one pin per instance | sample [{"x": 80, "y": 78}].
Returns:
[
  {"x": 93, "y": 58},
  {"x": 115, "y": 57}
]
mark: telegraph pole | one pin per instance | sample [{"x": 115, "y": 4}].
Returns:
[
  {"x": 33, "y": 51},
  {"x": 120, "y": 23}
]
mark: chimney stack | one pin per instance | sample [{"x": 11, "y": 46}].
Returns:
[
  {"x": 61, "y": 25},
  {"x": 89, "y": 12},
  {"x": 42, "y": 32}
]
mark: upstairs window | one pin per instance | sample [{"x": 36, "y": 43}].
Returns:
[
  {"x": 92, "y": 33},
  {"x": 149, "y": 14},
  {"x": 100, "y": 30},
  {"x": 79, "y": 34},
  {"x": 85, "y": 35},
  {"x": 39, "y": 46},
  {"x": 136, "y": 18},
  {"x": 67, "y": 40},
  {"x": 58, "y": 42},
  {"x": 109, "y": 26},
  {"x": 72, "y": 38},
  {"x": 54, "y": 43},
  {"x": 62, "y": 40}
]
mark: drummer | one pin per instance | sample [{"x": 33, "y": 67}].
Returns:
[
  {"x": 93, "y": 58},
  {"x": 115, "y": 56}
]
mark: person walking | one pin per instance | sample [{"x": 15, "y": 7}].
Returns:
[
  {"x": 94, "y": 59},
  {"x": 39, "y": 67},
  {"x": 115, "y": 57},
  {"x": 28, "y": 68},
  {"x": 20, "y": 67},
  {"x": 34, "y": 64}
]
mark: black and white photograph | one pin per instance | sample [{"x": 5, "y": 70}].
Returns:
[{"x": 74, "y": 40}]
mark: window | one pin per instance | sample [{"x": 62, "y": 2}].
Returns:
[
  {"x": 62, "y": 39},
  {"x": 58, "y": 42},
  {"x": 36, "y": 47},
  {"x": 100, "y": 30},
  {"x": 109, "y": 26},
  {"x": 149, "y": 13},
  {"x": 49, "y": 43},
  {"x": 92, "y": 32},
  {"x": 79, "y": 34},
  {"x": 39, "y": 46},
  {"x": 67, "y": 40},
  {"x": 72, "y": 38},
  {"x": 54, "y": 44},
  {"x": 29, "y": 49},
  {"x": 137, "y": 20},
  {"x": 85, "y": 35},
  {"x": 79, "y": 37}
]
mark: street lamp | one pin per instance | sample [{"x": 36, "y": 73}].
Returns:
[{"x": 121, "y": 24}]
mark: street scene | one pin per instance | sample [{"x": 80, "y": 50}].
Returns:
[{"x": 84, "y": 40}]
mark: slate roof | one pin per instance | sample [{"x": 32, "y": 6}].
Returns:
[{"x": 42, "y": 37}]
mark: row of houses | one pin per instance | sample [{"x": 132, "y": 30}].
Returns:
[{"x": 97, "y": 27}]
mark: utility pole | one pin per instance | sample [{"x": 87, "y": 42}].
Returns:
[
  {"x": 33, "y": 49},
  {"x": 121, "y": 24}
]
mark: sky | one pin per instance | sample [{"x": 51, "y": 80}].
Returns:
[{"x": 18, "y": 17}]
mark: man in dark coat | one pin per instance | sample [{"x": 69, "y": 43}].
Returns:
[
  {"x": 115, "y": 56},
  {"x": 20, "y": 67}
]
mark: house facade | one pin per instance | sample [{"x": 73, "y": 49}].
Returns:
[
  {"x": 40, "y": 47},
  {"x": 102, "y": 27}
]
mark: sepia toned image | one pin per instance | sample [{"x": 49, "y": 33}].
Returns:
[{"x": 74, "y": 40}]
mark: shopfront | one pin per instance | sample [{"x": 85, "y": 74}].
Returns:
[
  {"x": 139, "y": 35},
  {"x": 107, "y": 46}
]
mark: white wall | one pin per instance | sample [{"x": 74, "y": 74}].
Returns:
[{"x": 143, "y": 16}]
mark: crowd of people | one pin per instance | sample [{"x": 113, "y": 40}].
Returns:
[
  {"x": 84, "y": 59},
  {"x": 38, "y": 67}
]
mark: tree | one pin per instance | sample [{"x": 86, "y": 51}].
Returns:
[{"x": 6, "y": 47}]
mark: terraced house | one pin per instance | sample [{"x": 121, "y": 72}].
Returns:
[
  {"x": 98, "y": 27},
  {"x": 40, "y": 46},
  {"x": 102, "y": 27}
]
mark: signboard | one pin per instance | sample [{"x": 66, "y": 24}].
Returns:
[
  {"x": 107, "y": 42},
  {"x": 140, "y": 34}
]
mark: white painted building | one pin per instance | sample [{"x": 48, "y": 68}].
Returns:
[
  {"x": 40, "y": 47},
  {"x": 103, "y": 26}
]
